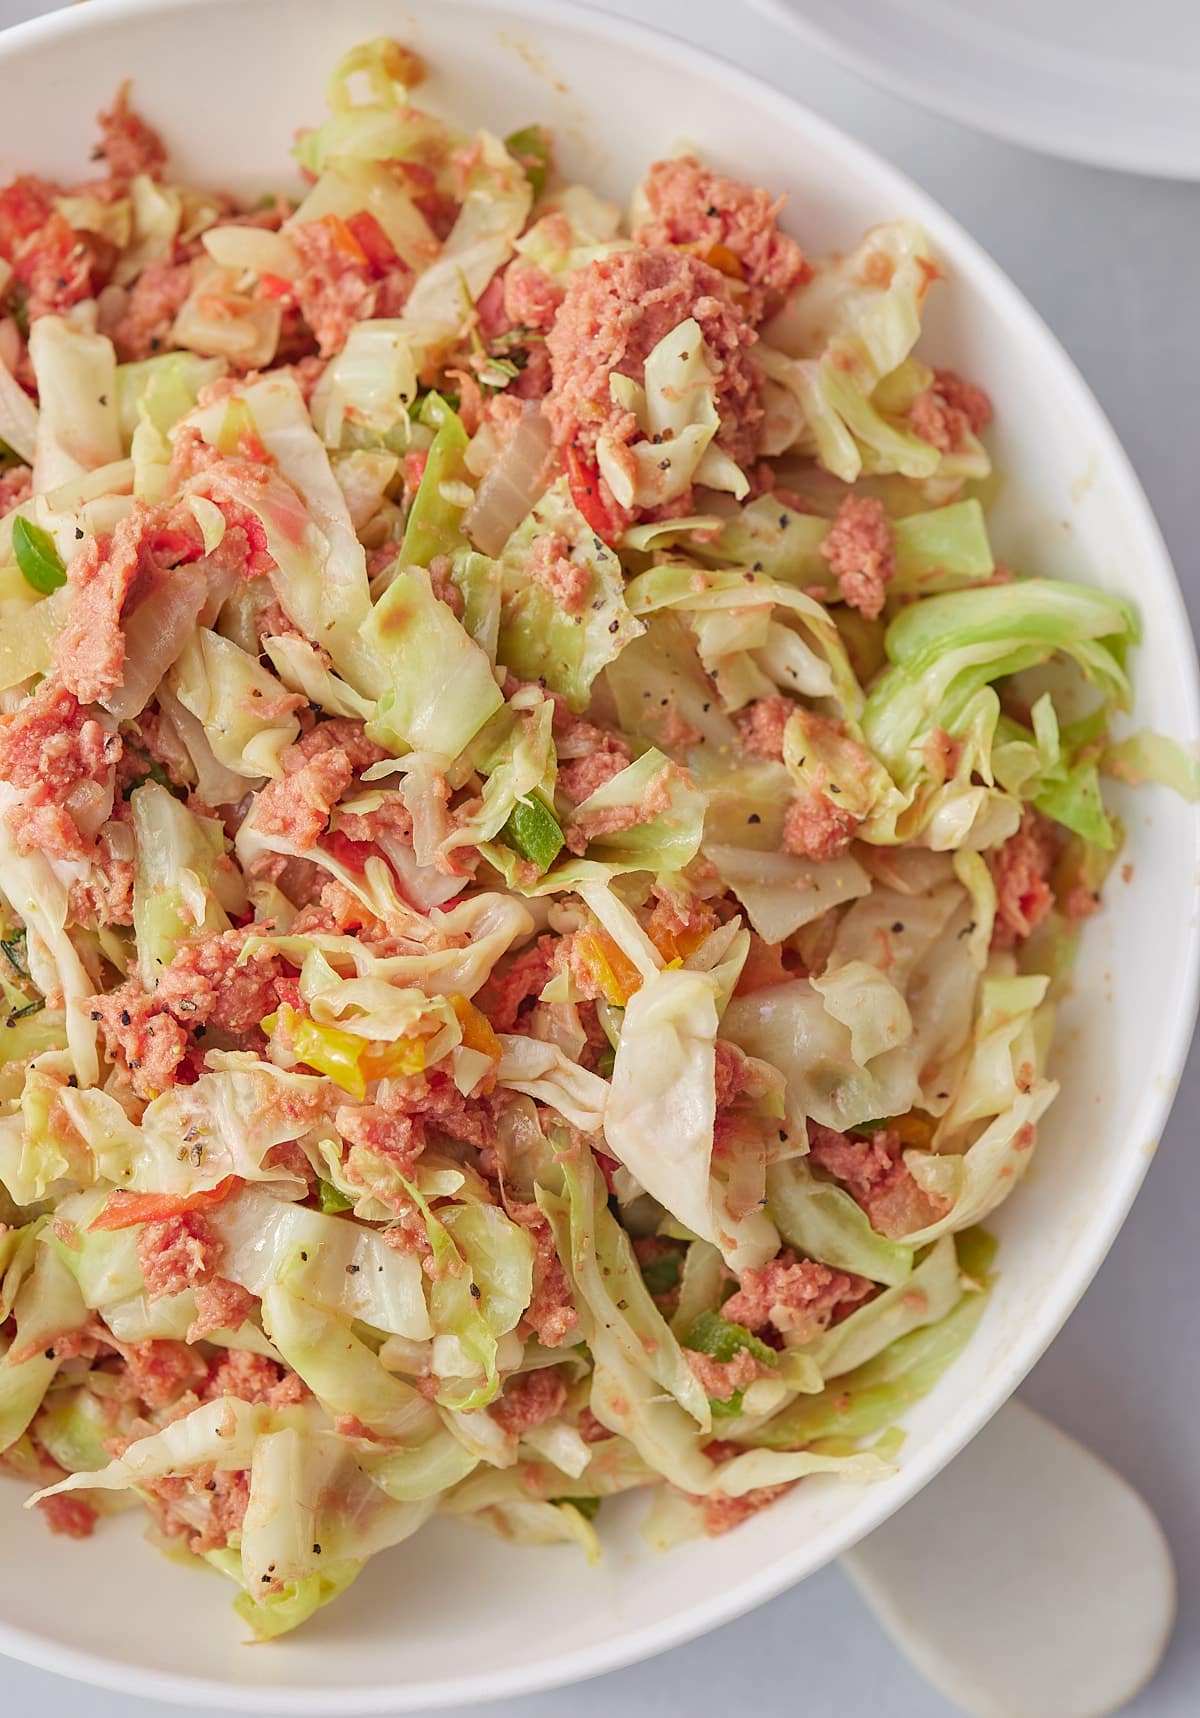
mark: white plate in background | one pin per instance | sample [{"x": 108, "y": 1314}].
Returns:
[{"x": 1103, "y": 81}]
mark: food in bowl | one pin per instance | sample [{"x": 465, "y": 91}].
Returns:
[{"x": 537, "y": 858}]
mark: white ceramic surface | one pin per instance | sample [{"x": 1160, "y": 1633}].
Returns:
[
  {"x": 1095, "y": 80},
  {"x": 463, "y": 1617},
  {"x": 1056, "y": 1602}
]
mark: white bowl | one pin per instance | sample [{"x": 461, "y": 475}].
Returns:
[{"x": 456, "y": 1615}]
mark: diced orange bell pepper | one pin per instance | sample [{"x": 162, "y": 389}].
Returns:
[
  {"x": 477, "y": 1033},
  {"x": 393, "y": 1061},
  {"x": 342, "y": 237},
  {"x": 725, "y": 261},
  {"x": 613, "y": 972},
  {"x": 915, "y": 1129}
]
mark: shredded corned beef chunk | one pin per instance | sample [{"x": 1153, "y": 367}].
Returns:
[
  {"x": 530, "y": 1401},
  {"x": 797, "y": 1296},
  {"x": 762, "y": 724},
  {"x": 178, "y": 1253},
  {"x": 64, "y": 763},
  {"x": 875, "y": 1174},
  {"x": 816, "y": 828},
  {"x": 615, "y": 312},
  {"x": 728, "y": 224},
  {"x": 861, "y": 550},
  {"x": 1021, "y": 870}
]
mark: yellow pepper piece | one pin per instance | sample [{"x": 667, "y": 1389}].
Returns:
[
  {"x": 326, "y": 1049},
  {"x": 393, "y": 1061},
  {"x": 915, "y": 1129}
]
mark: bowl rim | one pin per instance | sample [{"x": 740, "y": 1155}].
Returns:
[{"x": 1020, "y": 1354}]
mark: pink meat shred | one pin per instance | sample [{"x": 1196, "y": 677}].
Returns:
[
  {"x": 252, "y": 1378},
  {"x": 551, "y": 1314},
  {"x": 140, "y": 1037},
  {"x": 816, "y": 828},
  {"x": 945, "y": 413},
  {"x": 69, "y": 1514},
  {"x": 615, "y": 312},
  {"x": 860, "y": 547},
  {"x": 588, "y": 757},
  {"x": 107, "y": 574},
  {"x": 762, "y": 724},
  {"x": 138, "y": 321},
  {"x": 178, "y": 1253},
  {"x": 721, "y": 218},
  {"x": 128, "y": 145},
  {"x": 721, "y": 1513},
  {"x": 799, "y": 1296},
  {"x": 530, "y": 1400},
  {"x": 531, "y": 298},
  {"x": 1020, "y": 870},
  {"x": 615, "y": 819},
  {"x": 159, "y": 1371},
  {"x": 719, "y": 1379},
  {"x": 220, "y": 1305},
  {"x": 562, "y": 578},
  {"x": 16, "y": 486},
  {"x": 875, "y": 1175},
  {"x": 297, "y": 807},
  {"x": 65, "y": 763},
  {"x": 212, "y": 982},
  {"x": 338, "y": 289}
]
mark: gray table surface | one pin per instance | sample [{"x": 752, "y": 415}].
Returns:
[{"x": 1112, "y": 263}]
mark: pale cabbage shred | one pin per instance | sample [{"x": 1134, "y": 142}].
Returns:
[{"x": 897, "y": 1007}]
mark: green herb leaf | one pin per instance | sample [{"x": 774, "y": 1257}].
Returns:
[
  {"x": 711, "y": 1334},
  {"x": 531, "y": 147},
  {"x": 37, "y": 557},
  {"x": 662, "y": 1275},
  {"x": 14, "y": 953},
  {"x": 331, "y": 1200}
]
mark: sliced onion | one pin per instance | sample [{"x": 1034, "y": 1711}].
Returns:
[
  {"x": 253, "y": 248},
  {"x": 214, "y": 783},
  {"x": 155, "y": 634},
  {"x": 89, "y": 805},
  {"x": 510, "y": 488},
  {"x": 218, "y": 322},
  {"x": 118, "y": 838},
  {"x": 18, "y": 417},
  {"x": 423, "y": 885},
  {"x": 222, "y": 581}
]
